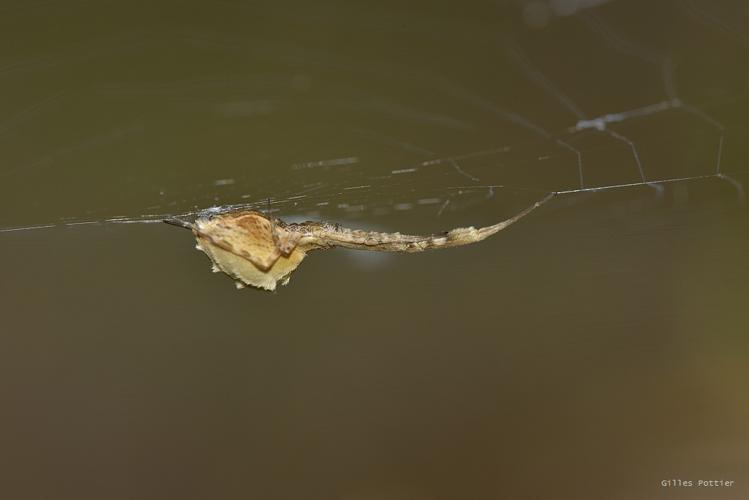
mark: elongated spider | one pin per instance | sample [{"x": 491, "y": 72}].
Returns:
[{"x": 262, "y": 251}]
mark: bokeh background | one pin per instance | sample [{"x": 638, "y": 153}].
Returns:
[{"x": 593, "y": 350}]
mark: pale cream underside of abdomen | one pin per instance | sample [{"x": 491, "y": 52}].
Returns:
[{"x": 246, "y": 272}]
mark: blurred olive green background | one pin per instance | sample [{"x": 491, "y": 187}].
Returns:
[{"x": 591, "y": 351}]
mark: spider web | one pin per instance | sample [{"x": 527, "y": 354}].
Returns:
[{"x": 571, "y": 99}]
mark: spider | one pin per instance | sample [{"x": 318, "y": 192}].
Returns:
[{"x": 262, "y": 251}]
